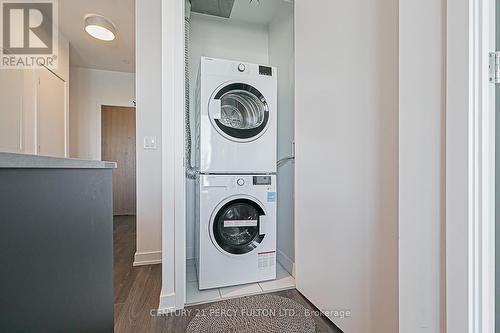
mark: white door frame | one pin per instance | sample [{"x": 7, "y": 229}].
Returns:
[
  {"x": 470, "y": 165},
  {"x": 173, "y": 175}
]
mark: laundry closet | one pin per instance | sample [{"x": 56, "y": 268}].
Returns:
[{"x": 239, "y": 148}]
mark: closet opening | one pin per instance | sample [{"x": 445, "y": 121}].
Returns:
[{"x": 239, "y": 121}]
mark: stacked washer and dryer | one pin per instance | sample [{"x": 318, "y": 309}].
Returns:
[{"x": 236, "y": 149}]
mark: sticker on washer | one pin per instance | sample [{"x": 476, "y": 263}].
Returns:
[
  {"x": 240, "y": 223},
  {"x": 271, "y": 196},
  {"x": 267, "y": 259}
]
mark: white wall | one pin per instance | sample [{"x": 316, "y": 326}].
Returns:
[
  {"x": 92, "y": 88},
  {"x": 346, "y": 131},
  {"x": 149, "y": 123},
  {"x": 89, "y": 90},
  {"x": 218, "y": 38},
  {"x": 213, "y": 37},
  {"x": 421, "y": 175},
  {"x": 281, "y": 55}
]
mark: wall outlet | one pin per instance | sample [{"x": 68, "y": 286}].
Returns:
[{"x": 150, "y": 143}]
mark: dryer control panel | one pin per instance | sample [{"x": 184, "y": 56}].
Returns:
[
  {"x": 265, "y": 70},
  {"x": 262, "y": 180}
]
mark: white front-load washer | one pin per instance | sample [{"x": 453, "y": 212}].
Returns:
[
  {"x": 235, "y": 229},
  {"x": 236, "y": 124}
]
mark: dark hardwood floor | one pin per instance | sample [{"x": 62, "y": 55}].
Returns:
[{"x": 137, "y": 290}]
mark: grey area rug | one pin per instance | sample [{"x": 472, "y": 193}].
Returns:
[{"x": 261, "y": 313}]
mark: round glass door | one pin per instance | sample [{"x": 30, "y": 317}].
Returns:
[
  {"x": 236, "y": 226},
  {"x": 242, "y": 114}
]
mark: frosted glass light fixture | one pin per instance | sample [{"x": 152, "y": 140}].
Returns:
[{"x": 100, "y": 27}]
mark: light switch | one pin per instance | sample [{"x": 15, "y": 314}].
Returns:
[{"x": 150, "y": 142}]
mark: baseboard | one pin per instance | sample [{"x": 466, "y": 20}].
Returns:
[
  {"x": 286, "y": 262},
  {"x": 167, "y": 303},
  {"x": 147, "y": 258}
]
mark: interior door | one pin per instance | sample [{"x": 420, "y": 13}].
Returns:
[
  {"x": 118, "y": 145},
  {"x": 51, "y": 119},
  {"x": 346, "y": 132}
]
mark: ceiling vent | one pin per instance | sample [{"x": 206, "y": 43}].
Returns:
[{"x": 220, "y": 8}]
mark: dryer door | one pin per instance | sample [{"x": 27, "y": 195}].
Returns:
[
  {"x": 235, "y": 226},
  {"x": 239, "y": 112}
]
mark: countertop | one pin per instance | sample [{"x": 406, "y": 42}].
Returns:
[{"x": 23, "y": 161}]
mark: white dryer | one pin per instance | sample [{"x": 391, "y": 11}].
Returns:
[
  {"x": 235, "y": 229},
  {"x": 236, "y": 117}
]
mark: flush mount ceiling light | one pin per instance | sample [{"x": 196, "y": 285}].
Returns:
[{"x": 100, "y": 27}]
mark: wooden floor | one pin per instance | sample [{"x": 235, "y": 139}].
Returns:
[{"x": 137, "y": 290}]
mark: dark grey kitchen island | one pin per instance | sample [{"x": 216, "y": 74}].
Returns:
[{"x": 56, "y": 244}]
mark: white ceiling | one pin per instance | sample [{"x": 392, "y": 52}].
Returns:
[
  {"x": 119, "y": 55},
  {"x": 86, "y": 51},
  {"x": 256, "y": 12}
]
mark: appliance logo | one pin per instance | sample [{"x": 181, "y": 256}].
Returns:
[{"x": 29, "y": 34}]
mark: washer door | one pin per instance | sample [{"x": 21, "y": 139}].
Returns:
[
  {"x": 235, "y": 229},
  {"x": 239, "y": 112}
]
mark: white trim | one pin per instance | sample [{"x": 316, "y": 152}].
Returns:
[
  {"x": 167, "y": 303},
  {"x": 470, "y": 169},
  {"x": 66, "y": 118},
  {"x": 486, "y": 162},
  {"x": 173, "y": 174},
  {"x": 147, "y": 258},
  {"x": 36, "y": 118},
  {"x": 179, "y": 168}
]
